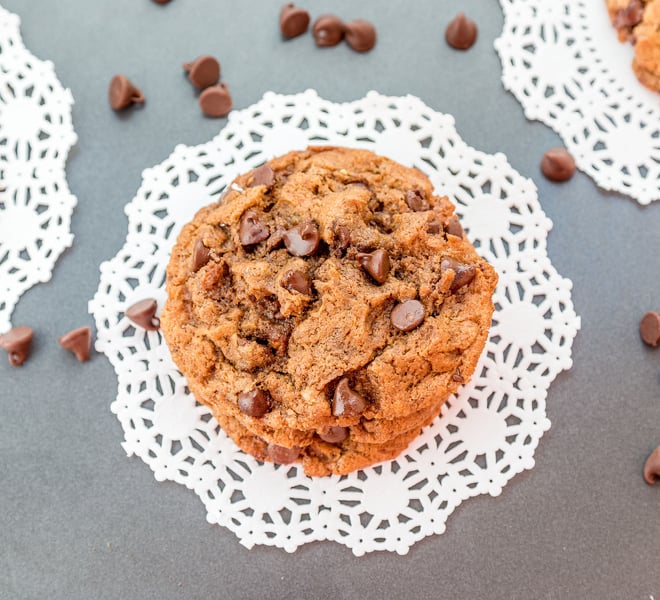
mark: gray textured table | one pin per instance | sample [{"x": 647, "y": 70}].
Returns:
[{"x": 80, "y": 520}]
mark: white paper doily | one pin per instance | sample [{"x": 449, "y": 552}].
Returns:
[
  {"x": 36, "y": 134},
  {"x": 563, "y": 62},
  {"x": 483, "y": 438}
]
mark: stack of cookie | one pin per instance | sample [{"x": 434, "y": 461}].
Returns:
[{"x": 326, "y": 307}]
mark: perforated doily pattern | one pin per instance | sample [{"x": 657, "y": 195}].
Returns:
[
  {"x": 36, "y": 135},
  {"x": 563, "y": 62},
  {"x": 484, "y": 436}
]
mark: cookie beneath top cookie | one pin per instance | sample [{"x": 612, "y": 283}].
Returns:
[
  {"x": 639, "y": 22},
  {"x": 326, "y": 307}
]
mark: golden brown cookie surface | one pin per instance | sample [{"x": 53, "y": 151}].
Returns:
[{"x": 329, "y": 292}]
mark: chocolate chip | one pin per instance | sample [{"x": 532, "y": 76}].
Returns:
[
  {"x": 434, "y": 227},
  {"x": 17, "y": 343},
  {"x": 457, "y": 377},
  {"x": 161, "y": 1},
  {"x": 376, "y": 263},
  {"x": 649, "y": 328},
  {"x": 252, "y": 229},
  {"x": 334, "y": 435},
  {"x": 453, "y": 227},
  {"x": 255, "y": 403},
  {"x": 302, "y": 240},
  {"x": 407, "y": 315},
  {"x": 360, "y": 35},
  {"x": 203, "y": 71},
  {"x": 78, "y": 341},
  {"x": 201, "y": 255},
  {"x": 463, "y": 274},
  {"x": 416, "y": 200},
  {"x": 263, "y": 175},
  {"x": 347, "y": 402},
  {"x": 328, "y": 30},
  {"x": 294, "y": 21},
  {"x": 215, "y": 101},
  {"x": 341, "y": 238},
  {"x": 143, "y": 313},
  {"x": 557, "y": 164},
  {"x": 122, "y": 93},
  {"x": 461, "y": 33},
  {"x": 281, "y": 454},
  {"x": 629, "y": 16},
  {"x": 297, "y": 281},
  {"x": 652, "y": 467}
]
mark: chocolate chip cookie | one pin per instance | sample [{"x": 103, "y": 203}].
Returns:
[
  {"x": 326, "y": 307},
  {"x": 639, "y": 22}
]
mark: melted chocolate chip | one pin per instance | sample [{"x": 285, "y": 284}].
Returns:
[
  {"x": 416, "y": 200},
  {"x": 328, "y": 30},
  {"x": 263, "y": 175},
  {"x": 143, "y": 314},
  {"x": 255, "y": 403},
  {"x": 17, "y": 342},
  {"x": 360, "y": 35},
  {"x": 281, "y": 454},
  {"x": 216, "y": 101},
  {"x": 302, "y": 240},
  {"x": 461, "y": 33},
  {"x": 652, "y": 467},
  {"x": 453, "y": 227},
  {"x": 201, "y": 256},
  {"x": 558, "y": 164},
  {"x": 122, "y": 93},
  {"x": 252, "y": 229},
  {"x": 407, "y": 315},
  {"x": 297, "y": 281},
  {"x": 649, "y": 328},
  {"x": 203, "y": 71},
  {"x": 78, "y": 341},
  {"x": 629, "y": 16},
  {"x": 347, "y": 402},
  {"x": 341, "y": 238},
  {"x": 377, "y": 264},
  {"x": 294, "y": 21},
  {"x": 334, "y": 435},
  {"x": 464, "y": 274}
]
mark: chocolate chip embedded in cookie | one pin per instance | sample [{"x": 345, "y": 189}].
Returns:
[{"x": 326, "y": 307}]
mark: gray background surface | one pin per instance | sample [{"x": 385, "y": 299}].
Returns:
[{"x": 80, "y": 520}]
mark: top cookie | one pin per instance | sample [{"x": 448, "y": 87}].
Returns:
[{"x": 328, "y": 288}]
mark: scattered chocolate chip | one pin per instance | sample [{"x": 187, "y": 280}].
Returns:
[
  {"x": 215, "y": 101},
  {"x": 557, "y": 164},
  {"x": 255, "y": 403},
  {"x": 649, "y": 328},
  {"x": 416, "y": 200},
  {"x": 407, "y": 315},
  {"x": 461, "y": 33},
  {"x": 334, "y": 435},
  {"x": 78, "y": 341},
  {"x": 201, "y": 255},
  {"x": 652, "y": 467},
  {"x": 360, "y": 35},
  {"x": 297, "y": 281},
  {"x": 203, "y": 71},
  {"x": 294, "y": 21},
  {"x": 347, "y": 402},
  {"x": 252, "y": 229},
  {"x": 629, "y": 16},
  {"x": 122, "y": 93},
  {"x": 376, "y": 263},
  {"x": 328, "y": 30},
  {"x": 161, "y": 1},
  {"x": 17, "y": 343},
  {"x": 263, "y": 175},
  {"x": 464, "y": 274},
  {"x": 143, "y": 313},
  {"x": 453, "y": 227},
  {"x": 302, "y": 240},
  {"x": 282, "y": 454}
]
